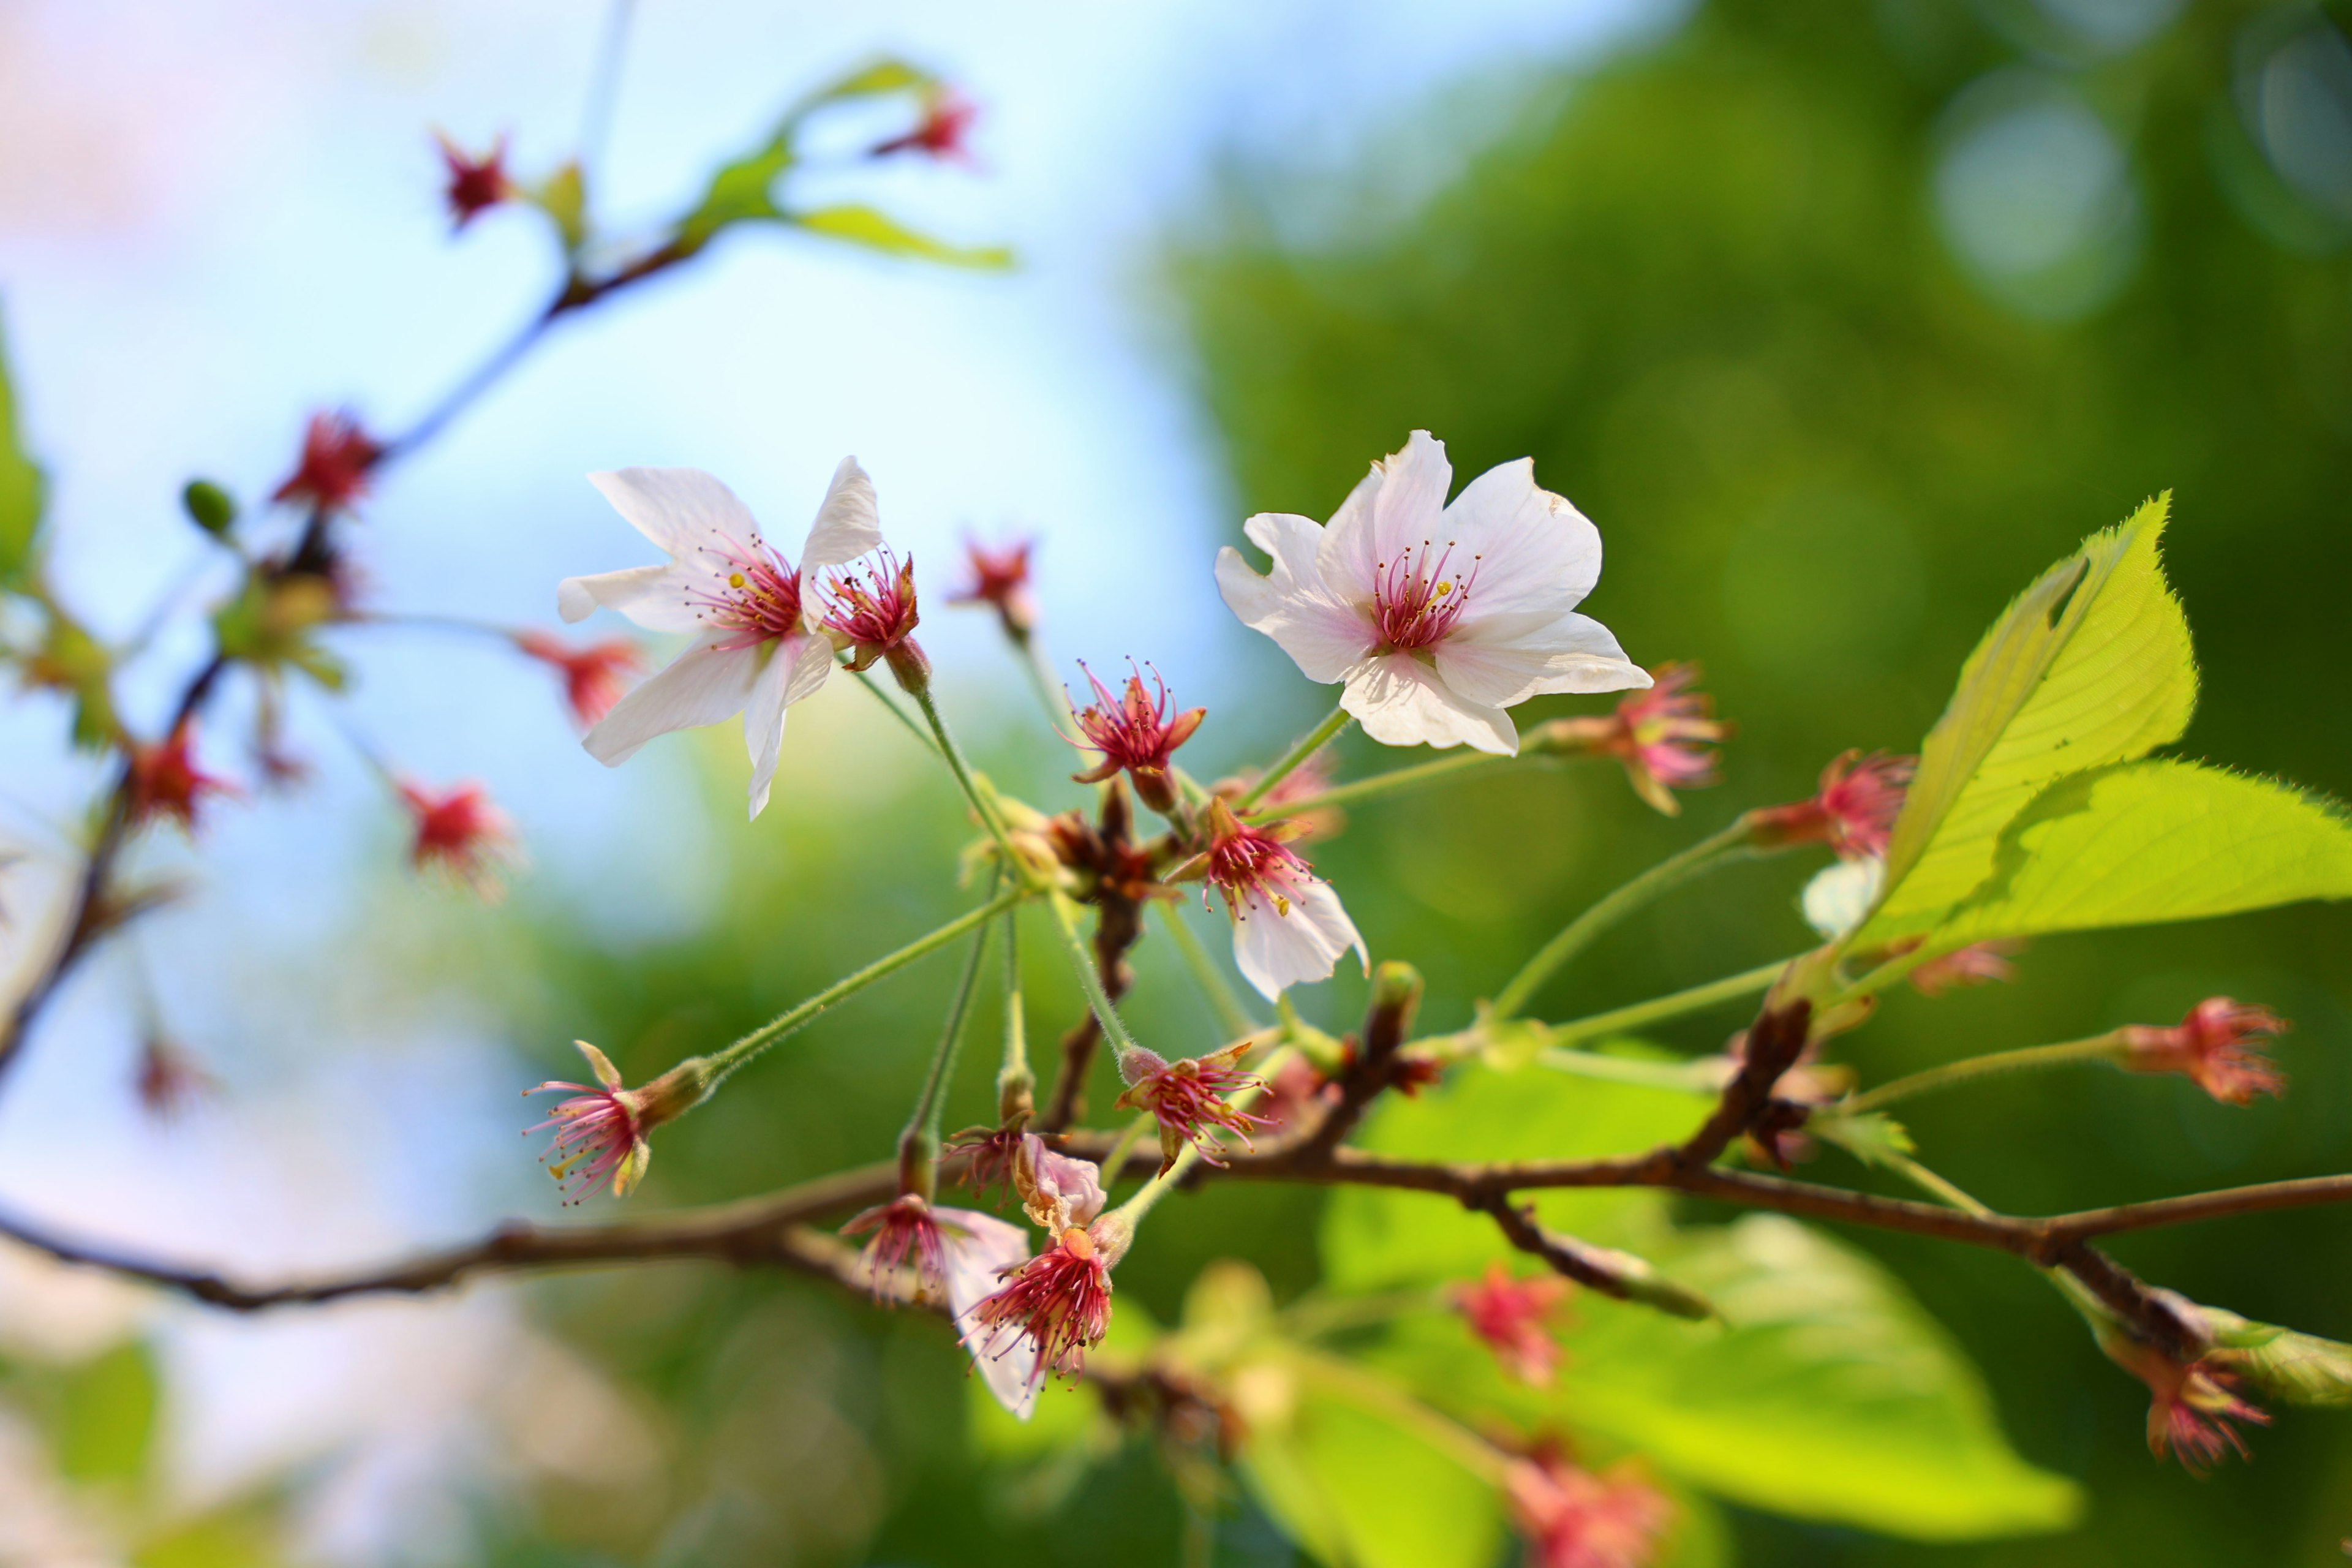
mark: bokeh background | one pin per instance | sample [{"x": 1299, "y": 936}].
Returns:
[{"x": 1841, "y": 320}]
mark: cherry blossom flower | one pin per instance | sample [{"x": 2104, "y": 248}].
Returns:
[
  {"x": 165, "y": 782},
  {"x": 905, "y": 1228},
  {"x": 1665, "y": 737},
  {"x": 476, "y": 185},
  {"x": 988, "y": 1154},
  {"x": 2192, "y": 1406},
  {"x": 601, "y": 1132},
  {"x": 1575, "y": 1518},
  {"x": 1000, "y": 576},
  {"x": 980, "y": 1251},
  {"x": 1512, "y": 1317},
  {"x": 1435, "y": 617},
  {"x": 753, "y": 652},
  {"x": 1188, "y": 1098},
  {"x": 1852, "y": 812},
  {"x": 876, "y": 619},
  {"x": 594, "y": 674},
  {"x": 1058, "y": 1303},
  {"x": 460, "y": 834},
  {"x": 1134, "y": 732},
  {"x": 1978, "y": 963},
  {"x": 333, "y": 471},
  {"x": 2218, "y": 1047},
  {"x": 943, "y": 133},
  {"x": 1288, "y": 926},
  {"x": 1057, "y": 1191}
]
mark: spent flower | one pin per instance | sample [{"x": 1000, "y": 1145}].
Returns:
[
  {"x": 169, "y": 1082},
  {"x": 460, "y": 834},
  {"x": 999, "y": 576},
  {"x": 875, "y": 618},
  {"x": 1290, "y": 928},
  {"x": 753, "y": 650},
  {"x": 1852, "y": 811},
  {"x": 475, "y": 183},
  {"x": 601, "y": 1132},
  {"x": 165, "y": 781},
  {"x": 1513, "y": 1318},
  {"x": 1573, "y": 1518},
  {"x": 332, "y": 472},
  {"x": 1978, "y": 963},
  {"x": 1058, "y": 1303},
  {"x": 943, "y": 133},
  {"x": 1434, "y": 617},
  {"x": 1135, "y": 733},
  {"x": 1665, "y": 737},
  {"x": 2218, "y": 1047},
  {"x": 595, "y": 674},
  {"x": 2193, "y": 1410},
  {"x": 1188, "y": 1099},
  {"x": 906, "y": 1230}
]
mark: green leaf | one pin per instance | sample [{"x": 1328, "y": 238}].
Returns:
[
  {"x": 107, "y": 1421},
  {"x": 876, "y": 231},
  {"x": 2149, "y": 842},
  {"x": 740, "y": 191},
  {"x": 2297, "y": 1368},
  {"x": 1361, "y": 1475},
  {"x": 564, "y": 197},
  {"x": 1870, "y": 1137},
  {"x": 1375, "y": 1239},
  {"x": 2089, "y": 666},
  {"x": 882, "y": 78},
  {"x": 21, "y": 489},
  {"x": 1830, "y": 1394}
]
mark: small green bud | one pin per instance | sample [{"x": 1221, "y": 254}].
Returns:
[{"x": 211, "y": 508}]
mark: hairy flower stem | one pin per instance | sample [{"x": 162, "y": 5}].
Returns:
[
  {"x": 1040, "y": 668},
  {"x": 1463, "y": 765},
  {"x": 1718, "y": 848},
  {"x": 982, "y": 802},
  {"x": 1016, "y": 1085},
  {"x": 2107, "y": 1048},
  {"x": 919, "y": 1146},
  {"x": 1232, "y": 1017},
  {"x": 865, "y": 679},
  {"x": 725, "y": 1062},
  {"x": 1114, "y": 1028},
  {"x": 1641, "y": 1014},
  {"x": 1337, "y": 720}
]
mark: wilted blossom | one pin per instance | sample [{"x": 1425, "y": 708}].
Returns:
[
  {"x": 1665, "y": 737},
  {"x": 988, "y": 1154},
  {"x": 980, "y": 1252},
  {"x": 1435, "y": 617},
  {"x": 1978, "y": 963},
  {"x": 476, "y": 185},
  {"x": 1134, "y": 732},
  {"x": 165, "y": 782},
  {"x": 1000, "y": 576},
  {"x": 1852, "y": 812},
  {"x": 2192, "y": 1408},
  {"x": 909, "y": 1231},
  {"x": 1513, "y": 1317},
  {"x": 460, "y": 834},
  {"x": 943, "y": 132},
  {"x": 333, "y": 471},
  {"x": 1288, "y": 926},
  {"x": 1058, "y": 1303},
  {"x": 595, "y": 674},
  {"x": 1188, "y": 1098},
  {"x": 2218, "y": 1047},
  {"x": 600, "y": 1133},
  {"x": 753, "y": 653},
  {"x": 1575, "y": 1518},
  {"x": 1057, "y": 1191}
]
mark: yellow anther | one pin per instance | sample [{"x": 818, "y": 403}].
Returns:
[{"x": 734, "y": 579}]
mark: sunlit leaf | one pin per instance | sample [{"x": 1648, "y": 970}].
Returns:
[
  {"x": 2291, "y": 1367},
  {"x": 107, "y": 1419},
  {"x": 2156, "y": 841},
  {"x": 878, "y": 231},
  {"x": 1871, "y": 1137},
  {"x": 20, "y": 488},
  {"x": 2089, "y": 666}
]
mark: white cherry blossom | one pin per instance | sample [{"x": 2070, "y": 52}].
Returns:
[
  {"x": 1435, "y": 617},
  {"x": 1290, "y": 928},
  {"x": 754, "y": 652},
  {"x": 981, "y": 1249}
]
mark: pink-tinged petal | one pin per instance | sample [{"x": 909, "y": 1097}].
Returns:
[
  {"x": 1057, "y": 1191},
  {"x": 702, "y": 686},
  {"x": 680, "y": 509},
  {"x": 1401, "y": 701},
  {"x": 1500, "y": 660},
  {"x": 848, "y": 524},
  {"x": 1296, "y": 940},
  {"x": 1292, "y": 605},
  {"x": 1400, "y": 505},
  {"x": 1533, "y": 550},
  {"x": 657, "y": 598},
  {"x": 977, "y": 1260}
]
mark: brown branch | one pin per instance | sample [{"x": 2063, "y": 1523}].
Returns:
[
  {"x": 1120, "y": 871},
  {"x": 1774, "y": 1042},
  {"x": 1388, "y": 1019},
  {"x": 2303, "y": 1193}
]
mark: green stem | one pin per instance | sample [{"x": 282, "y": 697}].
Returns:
[
  {"x": 1232, "y": 1017},
  {"x": 965, "y": 779},
  {"x": 1641, "y": 1014},
  {"x": 1049, "y": 691},
  {"x": 865, "y": 679},
  {"x": 1314, "y": 741},
  {"x": 1105, "y": 1012},
  {"x": 1014, "y": 1080},
  {"x": 1700, "y": 1077},
  {"x": 1459, "y": 765},
  {"x": 723, "y": 1063},
  {"x": 933, "y": 1101},
  {"x": 1667, "y": 874},
  {"x": 2078, "y": 1295},
  {"x": 2074, "y": 1053},
  {"x": 1115, "y": 1161}
]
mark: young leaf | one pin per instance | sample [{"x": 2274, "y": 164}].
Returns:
[
  {"x": 20, "y": 489},
  {"x": 1870, "y": 1137},
  {"x": 2149, "y": 842},
  {"x": 2089, "y": 666},
  {"x": 878, "y": 231},
  {"x": 2298, "y": 1369}
]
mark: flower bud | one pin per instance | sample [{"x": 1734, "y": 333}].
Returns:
[{"x": 209, "y": 507}]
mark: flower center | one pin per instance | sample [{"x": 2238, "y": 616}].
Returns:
[
  {"x": 1415, "y": 601},
  {"x": 751, "y": 591},
  {"x": 1250, "y": 858}
]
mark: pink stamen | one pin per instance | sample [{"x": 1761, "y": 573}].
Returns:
[
  {"x": 758, "y": 596},
  {"x": 1415, "y": 603}
]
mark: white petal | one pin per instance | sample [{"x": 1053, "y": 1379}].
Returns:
[
  {"x": 1401, "y": 701},
  {"x": 1291, "y": 605},
  {"x": 1532, "y": 550},
  {"x": 1061, "y": 1190},
  {"x": 656, "y": 598},
  {"x": 1841, "y": 896},
  {"x": 1506, "y": 659},
  {"x": 847, "y": 525},
  {"x": 701, "y": 686},
  {"x": 1007, "y": 1358},
  {"x": 1396, "y": 508},
  {"x": 680, "y": 509},
  {"x": 763, "y": 715},
  {"x": 1295, "y": 942}
]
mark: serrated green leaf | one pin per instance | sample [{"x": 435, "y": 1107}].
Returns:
[
  {"x": 107, "y": 1421},
  {"x": 1871, "y": 1137},
  {"x": 2089, "y": 666},
  {"x": 875, "y": 230},
  {"x": 20, "y": 488},
  {"x": 2297, "y": 1368},
  {"x": 2146, "y": 843}
]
